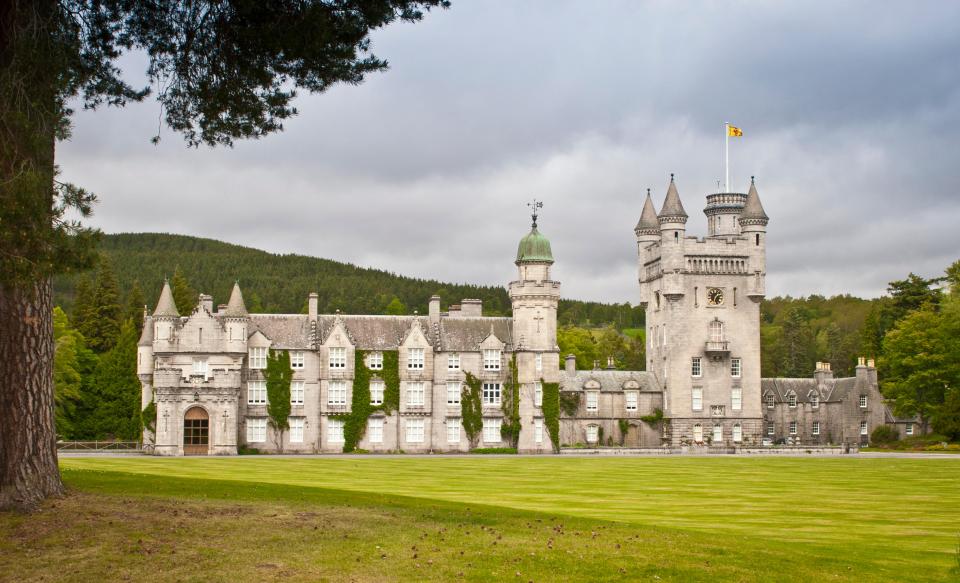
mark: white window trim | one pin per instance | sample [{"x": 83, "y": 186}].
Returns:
[
  {"x": 256, "y": 430},
  {"x": 793, "y": 428},
  {"x": 338, "y": 358},
  {"x": 335, "y": 431},
  {"x": 736, "y": 368},
  {"x": 493, "y": 394},
  {"x": 297, "y": 392},
  {"x": 737, "y": 433},
  {"x": 337, "y": 393},
  {"x": 257, "y": 358},
  {"x": 454, "y": 390},
  {"x": 375, "y": 361},
  {"x": 593, "y": 433},
  {"x": 376, "y": 395},
  {"x": 696, "y": 367},
  {"x": 375, "y": 429},
  {"x": 631, "y": 400},
  {"x": 415, "y": 358},
  {"x": 492, "y": 359},
  {"x": 593, "y": 400},
  {"x": 538, "y": 361},
  {"x": 696, "y": 399},
  {"x": 864, "y": 428},
  {"x": 538, "y": 394},
  {"x": 736, "y": 399},
  {"x": 815, "y": 428},
  {"x": 491, "y": 430},
  {"x": 297, "y": 425},
  {"x": 538, "y": 430},
  {"x": 414, "y": 430},
  {"x": 416, "y": 394},
  {"x": 453, "y": 430},
  {"x": 453, "y": 361},
  {"x": 256, "y": 392},
  {"x": 863, "y": 401},
  {"x": 297, "y": 359}
]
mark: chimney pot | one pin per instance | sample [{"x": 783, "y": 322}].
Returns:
[
  {"x": 571, "y": 365},
  {"x": 312, "y": 300}
]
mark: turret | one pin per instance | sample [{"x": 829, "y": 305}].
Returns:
[
  {"x": 753, "y": 226},
  {"x": 534, "y": 296},
  {"x": 165, "y": 318},
  {"x": 648, "y": 227},
  {"x": 235, "y": 318},
  {"x": 673, "y": 229}
]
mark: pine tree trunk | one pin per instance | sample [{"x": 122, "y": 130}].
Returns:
[
  {"x": 28, "y": 449},
  {"x": 29, "y": 113}
]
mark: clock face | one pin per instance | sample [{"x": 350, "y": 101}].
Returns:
[{"x": 715, "y": 296}]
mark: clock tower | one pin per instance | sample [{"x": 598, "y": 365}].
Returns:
[{"x": 702, "y": 300}]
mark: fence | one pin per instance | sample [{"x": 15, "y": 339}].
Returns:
[{"x": 95, "y": 446}]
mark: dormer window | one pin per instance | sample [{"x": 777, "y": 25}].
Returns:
[
  {"x": 375, "y": 361},
  {"x": 296, "y": 359},
  {"x": 792, "y": 400},
  {"x": 769, "y": 400},
  {"x": 415, "y": 358},
  {"x": 338, "y": 358},
  {"x": 491, "y": 360},
  {"x": 814, "y": 400},
  {"x": 258, "y": 357}
]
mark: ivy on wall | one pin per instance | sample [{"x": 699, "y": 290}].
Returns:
[
  {"x": 510, "y": 405},
  {"x": 471, "y": 409},
  {"x": 148, "y": 418},
  {"x": 355, "y": 423},
  {"x": 624, "y": 425},
  {"x": 551, "y": 412},
  {"x": 570, "y": 403},
  {"x": 278, "y": 376}
]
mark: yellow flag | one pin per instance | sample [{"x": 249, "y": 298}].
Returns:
[{"x": 734, "y": 131}]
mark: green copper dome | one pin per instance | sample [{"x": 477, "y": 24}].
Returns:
[{"x": 534, "y": 247}]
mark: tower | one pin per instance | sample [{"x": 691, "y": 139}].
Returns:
[
  {"x": 534, "y": 298},
  {"x": 702, "y": 299},
  {"x": 235, "y": 320}
]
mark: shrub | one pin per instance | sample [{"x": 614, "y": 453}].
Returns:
[
  {"x": 884, "y": 434},
  {"x": 494, "y": 450}
]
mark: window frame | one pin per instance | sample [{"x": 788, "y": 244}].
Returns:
[
  {"x": 259, "y": 389},
  {"x": 201, "y": 366},
  {"x": 375, "y": 429},
  {"x": 454, "y": 390},
  {"x": 297, "y": 389},
  {"x": 863, "y": 401},
  {"x": 697, "y": 433},
  {"x": 770, "y": 400},
  {"x": 259, "y": 426},
  {"x": 736, "y": 368},
  {"x": 771, "y": 429},
  {"x": 414, "y": 430},
  {"x": 538, "y": 430},
  {"x": 592, "y": 400},
  {"x": 696, "y": 367},
  {"x": 493, "y": 395},
  {"x": 909, "y": 429},
  {"x": 416, "y": 394},
  {"x": 376, "y": 395},
  {"x": 864, "y": 428},
  {"x": 592, "y": 433},
  {"x": 416, "y": 358},
  {"x": 793, "y": 428},
  {"x": 492, "y": 359},
  {"x": 717, "y": 434},
  {"x": 453, "y": 361},
  {"x": 336, "y": 387},
  {"x": 337, "y": 358},
  {"x": 257, "y": 358},
  {"x": 815, "y": 428},
  {"x": 538, "y": 394},
  {"x": 538, "y": 362},
  {"x": 736, "y": 399},
  {"x": 737, "y": 433},
  {"x": 491, "y": 427},
  {"x": 335, "y": 430},
  {"x": 297, "y": 360},
  {"x": 297, "y": 426},
  {"x": 792, "y": 400},
  {"x": 375, "y": 360},
  {"x": 696, "y": 399},
  {"x": 629, "y": 396},
  {"x": 453, "y": 430}
]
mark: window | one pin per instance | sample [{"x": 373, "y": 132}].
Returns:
[
  {"x": 375, "y": 430},
  {"x": 453, "y": 361},
  {"x": 538, "y": 394},
  {"x": 735, "y": 368},
  {"x": 491, "y": 360},
  {"x": 296, "y": 359},
  {"x": 337, "y": 393},
  {"x": 736, "y": 399},
  {"x": 414, "y": 430},
  {"x": 593, "y": 433},
  {"x": 770, "y": 429},
  {"x": 863, "y": 401},
  {"x": 718, "y": 433},
  {"x": 415, "y": 394},
  {"x": 538, "y": 361},
  {"x": 698, "y": 433},
  {"x": 538, "y": 430},
  {"x": 793, "y": 428},
  {"x": 696, "y": 398},
  {"x": 296, "y": 429},
  {"x": 716, "y": 331},
  {"x": 256, "y": 430},
  {"x": 737, "y": 433},
  {"x": 338, "y": 357},
  {"x": 200, "y": 366},
  {"x": 415, "y": 358},
  {"x": 258, "y": 357},
  {"x": 453, "y": 430},
  {"x": 630, "y": 400},
  {"x": 815, "y": 430},
  {"x": 792, "y": 400},
  {"x": 696, "y": 369},
  {"x": 376, "y": 392},
  {"x": 491, "y": 430},
  {"x": 453, "y": 394},
  {"x": 375, "y": 362},
  {"x": 815, "y": 400},
  {"x": 863, "y": 428},
  {"x": 491, "y": 393},
  {"x": 296, "y": 392},
  {"x": 769, "y": 400},
  {"x": 909, "y": 430},
  {"x": 592, "y": 398},
  {"x": 257, "y": 393},
  {"x": 335, "y": 430}
]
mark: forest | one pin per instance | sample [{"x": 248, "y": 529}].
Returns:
[{"x": 98, "y": 317}]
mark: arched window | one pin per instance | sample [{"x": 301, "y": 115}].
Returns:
[
  {"x": 698, "y": 433},
  {"x": 716, "y": 331}
]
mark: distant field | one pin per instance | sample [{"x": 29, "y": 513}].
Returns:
[{"x": 471, "y": 518}]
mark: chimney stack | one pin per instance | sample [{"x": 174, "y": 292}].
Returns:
[
  {"x": 571, "y": 365},
  {"x": 206, "y": 302},
  {"x": 434, "y": 309},
  {"x": 471, "y": 308},
  {"x": 822, "y": 373},
  {"x": 312, "y": 305},
  {"x": 611, "y": 364}
]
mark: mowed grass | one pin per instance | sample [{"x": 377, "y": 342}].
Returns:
[{"x": 490, "y": 518}]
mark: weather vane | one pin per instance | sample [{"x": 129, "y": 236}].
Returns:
[{"x": 535, "y": 206}]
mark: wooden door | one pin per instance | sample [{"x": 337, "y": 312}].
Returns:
[{"x": 196, "y": 432}]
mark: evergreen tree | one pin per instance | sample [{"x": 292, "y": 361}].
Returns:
[
  {"x": 111, "y": 403},
  {"x": 946, "y": 420},
  {"x": 184, "y": 296},
  {"x": 797, "y": 345},
  {"x": 83, "y": 306},
  {"x": 70, "y": 358},
  {"x": 102, "y": 328},
  {"x": 135, "y": 302},
  {"x": 395, "y": 307}
]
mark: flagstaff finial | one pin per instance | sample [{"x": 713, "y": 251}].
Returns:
[
  {"x": 648, "y": 192},
  {"x": 534, "y": 207},
  {"x": 751, "y": 179},
  {"x": 671, "y": 177}
]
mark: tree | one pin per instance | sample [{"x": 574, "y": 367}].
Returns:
[
  {"x": 68, "y": 371},
  {"x": 135, "y": 302},
  {"x": 229, "y": 70},
  {"x": 184, "y": 296},
  {"x": 110, "y": 406},
  {"x": 580, "y": 343},
  {"x": 395, "y": 307},
  {"x": 797, "y": 345},
  {"x": 946, "y": 421},
  {"x": 102, "y": 325}
]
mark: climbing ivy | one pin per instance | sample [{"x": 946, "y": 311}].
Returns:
[
  {"x": 510, "y": 405},
  {"x": 278, "y": 376},
  {"x": 148, "y": 418},
  {"x": 355, "y": 423},
  {"x": 654, "y": 419},
  {"x": 569, "y": 403},
  {"x": 551, "y": 412},
  {"x": 624, "y": 428},
  {"x": 471, "y": 408}
]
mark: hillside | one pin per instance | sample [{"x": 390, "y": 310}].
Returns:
[{"x": 280, "y": 283}]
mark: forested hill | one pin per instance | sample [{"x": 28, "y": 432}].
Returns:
[{"x": 280, "y": 283}]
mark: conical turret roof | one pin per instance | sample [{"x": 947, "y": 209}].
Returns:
[
  {"x": 648, "y": 223},
  {"x": 672, "y": 207},
  {"x": 165, "y": 305},
  {"x": 752, "y": 209},
  {"x": 235, "y": 307}
]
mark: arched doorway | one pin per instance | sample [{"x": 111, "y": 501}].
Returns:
[{"x": 196, "y": 432}]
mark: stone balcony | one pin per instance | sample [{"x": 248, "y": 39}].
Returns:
[{"x": 717, "y": 347}]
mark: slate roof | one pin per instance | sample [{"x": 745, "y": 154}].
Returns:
[
  {"x": 648, "y": 223},
  {"x": 375, "y": 332},
  {"x": 466, "y": 334},
  {"x": 672, "y": 207},
  {"x": 832, "y": 389},
  {"x": 285, "y": 331},
  {"x": 235, "y": 307},
  {"x": 753, "y": 210},
  {"x": 146, "y": 337},
  {"x": 165, "y": 305},
  {"x": 610, "y": 380}
]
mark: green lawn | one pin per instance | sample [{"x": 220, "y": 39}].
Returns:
[{"x": 483, "y": 518}]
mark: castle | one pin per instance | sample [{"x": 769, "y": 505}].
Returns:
[{"x": 206, "y": 372}]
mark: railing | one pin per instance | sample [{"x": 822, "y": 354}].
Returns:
[
  {"x": 718, "y": 346},
  {"x": 132, "y": 446}
]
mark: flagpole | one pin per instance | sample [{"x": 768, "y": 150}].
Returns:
[{"x": 726, "y": 156}]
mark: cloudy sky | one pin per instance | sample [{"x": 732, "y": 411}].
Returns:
[{"x": 851, "y": 116}]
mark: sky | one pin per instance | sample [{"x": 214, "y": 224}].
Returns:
[{"x": 850, "y": 113}]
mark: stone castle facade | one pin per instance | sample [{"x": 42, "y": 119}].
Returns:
[{"x": 205, "y": 371}]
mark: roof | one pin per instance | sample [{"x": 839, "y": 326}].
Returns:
[
  {"x": 831, "y": 390},
  {"x": 648, "y": 223},
  {"x": 165, "y": 305},
  {"x": 753, "y": 210},
  {"x": 466, "y": 334},
  {"x": 285, "y": 331},
  {"x": 374, "y": 332},
  {"x": 146, "y": 336},
  {"x": 610, "y": 380},
  {"x": 235, "y": 307},
  {"x": 534, "y": 247},
  {"x": 672, "y": 207}
]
